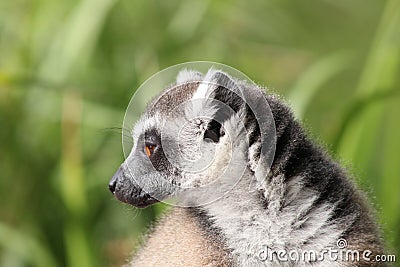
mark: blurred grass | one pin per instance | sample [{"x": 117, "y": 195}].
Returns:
[
  {"x": 69, "y": 68},
  {"x": 364, "y": 133}
]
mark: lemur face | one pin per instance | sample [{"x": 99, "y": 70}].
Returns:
[{"x": 192, "y": 142}]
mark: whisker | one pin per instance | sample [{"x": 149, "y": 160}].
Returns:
[{"x": 119, "y": 130}]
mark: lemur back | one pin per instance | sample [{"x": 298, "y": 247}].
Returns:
[{"x": 306, "y": 201}]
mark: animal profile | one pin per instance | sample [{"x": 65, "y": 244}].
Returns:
[{"x": 248, "y": 186}]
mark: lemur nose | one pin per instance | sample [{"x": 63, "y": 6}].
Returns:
[
  {"x": 113, "y": 182},
  {"x": 112, "y": 185}
]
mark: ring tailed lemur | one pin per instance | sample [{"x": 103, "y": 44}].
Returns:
[{"x": 305, "y": 203}]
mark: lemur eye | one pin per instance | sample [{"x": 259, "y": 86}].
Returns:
[{"x": 149, "y": 149}]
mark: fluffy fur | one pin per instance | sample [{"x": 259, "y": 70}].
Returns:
[{"x": 306, "y": 202}]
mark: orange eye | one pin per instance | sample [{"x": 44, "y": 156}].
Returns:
[{"x": 149, "y": 149}]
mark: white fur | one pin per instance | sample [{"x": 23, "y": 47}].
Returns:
[
  {"x": 216, "y": 164},
  {"x": 216, "y": 180},
  {"x": 186, "y": 75},
  {"x": 201, "y": 91},
  {"x": 252, "y": 158},
  {"x": 206, "y": 86},
  {"x": 249, "y": 227},
  {"x": 146, "y": 123}
]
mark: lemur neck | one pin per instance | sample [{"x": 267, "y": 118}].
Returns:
[{"x": 286, "y": 217}]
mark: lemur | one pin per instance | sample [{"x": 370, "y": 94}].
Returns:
[{"x": 233, "y": 216}]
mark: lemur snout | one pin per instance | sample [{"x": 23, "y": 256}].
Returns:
[{"x": 127, "y": 191}]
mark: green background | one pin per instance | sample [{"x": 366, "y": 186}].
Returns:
[{"x": 68, "y": 69}]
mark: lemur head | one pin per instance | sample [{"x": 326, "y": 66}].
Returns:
[{"x": 195, "y": 140}]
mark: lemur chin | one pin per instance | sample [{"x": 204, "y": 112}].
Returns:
[{"x": 250, "y": 185}]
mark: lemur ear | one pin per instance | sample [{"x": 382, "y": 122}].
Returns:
[
  {"x": 228, "y": 92},
  {"x": 226, "y": 100},
  {"x": 221, "y": 87}
]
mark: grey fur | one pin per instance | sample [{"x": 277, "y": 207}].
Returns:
[{"x": 306, "y": 202}]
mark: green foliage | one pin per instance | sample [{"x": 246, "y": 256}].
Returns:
[{"x": 69, "y": 68}]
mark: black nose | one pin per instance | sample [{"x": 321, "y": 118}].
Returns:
[
  {"x": 112, "y": 185},
  {"x": 113, "y": 182}
]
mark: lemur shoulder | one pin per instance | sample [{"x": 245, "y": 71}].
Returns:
[{"x": 306, "y": 202}]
